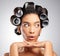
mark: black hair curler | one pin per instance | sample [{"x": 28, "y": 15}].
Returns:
[
  {"x": 38, "y": 9},
  {"x": 16, "y": 31},
  {"x": 43, "y": 16},
  {"x": 45, "y": 22},
  {"x": 15, "y": 20},
  {"x": 29, "y": 5},
  {"x": 18, "y": 11}
]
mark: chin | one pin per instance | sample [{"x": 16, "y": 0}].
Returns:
[{"x": 31, "y": 40}]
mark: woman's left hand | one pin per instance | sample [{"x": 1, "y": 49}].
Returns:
[{"x": 46, "y": 45}]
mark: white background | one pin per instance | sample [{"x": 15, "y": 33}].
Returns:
[{"x": 51, "y": 32}]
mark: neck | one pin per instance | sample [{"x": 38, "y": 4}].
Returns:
[{"x": 31, "y": 40}]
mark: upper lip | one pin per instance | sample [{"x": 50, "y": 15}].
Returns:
[{"x": 31, "y": 36}]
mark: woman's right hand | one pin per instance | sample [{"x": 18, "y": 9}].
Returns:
[
  {"x": 15, "y": 46},
  {"x": 22, "y": 44}
]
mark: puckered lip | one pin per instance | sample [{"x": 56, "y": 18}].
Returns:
[{"x": 31, "y": 37}]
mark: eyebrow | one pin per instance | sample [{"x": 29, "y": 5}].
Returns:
[
  {"x": 25, "y": 22},
  {"x": 37, "y": 22},
  {"x": 34, "y": 22}
]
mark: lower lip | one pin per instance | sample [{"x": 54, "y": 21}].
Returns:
[{"x": 31, "y": 37}]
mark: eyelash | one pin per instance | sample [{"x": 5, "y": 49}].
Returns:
[
  {"x": 27, "y": 25},
  {"x": 37, "y": 25}
]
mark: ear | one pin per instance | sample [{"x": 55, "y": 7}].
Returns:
[
  {"x": 17, "y": 30},
  {"x": 40, "y": 31}
]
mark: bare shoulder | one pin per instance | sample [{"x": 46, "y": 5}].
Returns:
[
  {"x": 49, "y": 44},
  {"x": 6, "y": 54},
  {"x": 15, "y": 44},
  {"x": 54, "y": 53}
]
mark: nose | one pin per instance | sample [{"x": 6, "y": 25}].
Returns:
[{"x": 32, "y": 30}]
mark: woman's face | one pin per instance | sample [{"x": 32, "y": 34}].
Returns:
[{"x": 30, "y": 27}]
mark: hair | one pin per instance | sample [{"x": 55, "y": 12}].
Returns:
[{"x": 30, "y": 7}]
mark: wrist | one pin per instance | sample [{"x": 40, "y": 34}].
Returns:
[{"x": 48, "y": 44}]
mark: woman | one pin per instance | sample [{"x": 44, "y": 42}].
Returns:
[{"x": 29, "y": 21}]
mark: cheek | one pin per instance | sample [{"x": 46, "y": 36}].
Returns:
[
  {"x": 37, "y": 32},
  {"x": 24, "y": 31}
]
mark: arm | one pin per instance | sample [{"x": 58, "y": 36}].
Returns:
[
  {"x": 48, "y": 49},
  {"x": 54, "y": 54},
  {"x": 6, "y": 54},
  {"x": 13, "y": 50}
]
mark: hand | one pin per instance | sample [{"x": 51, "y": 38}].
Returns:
[{"x": 48, "y": 50}]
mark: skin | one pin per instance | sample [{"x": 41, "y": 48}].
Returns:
[{"x": 31, "y": 29}]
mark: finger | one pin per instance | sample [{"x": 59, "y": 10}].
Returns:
[
  {"x": 39, "y": 44},
  {"x": 28, "y": 44}
]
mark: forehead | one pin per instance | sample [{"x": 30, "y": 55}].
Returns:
[{"x": 31, "y": 18}]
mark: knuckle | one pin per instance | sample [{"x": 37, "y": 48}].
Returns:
[{"x": 49, "y": 42}]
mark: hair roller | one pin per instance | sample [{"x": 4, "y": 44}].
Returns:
[
  {"x": 29, "y": 5},
  {"x": 18, "y": 11},
  {"x": 15, "y": 20},
  {"x": 17, "y": 32},
  {"x": 45, "y": 22},
  {"x": 44, "y": 17},
  {"x": 44, "y": 10},
  {"x": 44, "y": 14},
  {"x": 38, "y": 9}
]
